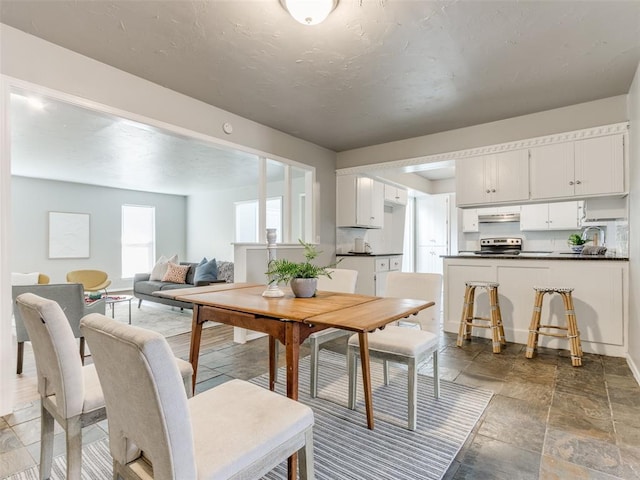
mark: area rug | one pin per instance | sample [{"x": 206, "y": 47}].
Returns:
[
  {"x": 164, "y": 319},
  {"x": 343, "y": 446}
]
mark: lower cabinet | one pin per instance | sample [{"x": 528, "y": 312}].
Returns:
[
  {"x": 600, "y": 289},
  {"x": 372, "y": 271}
]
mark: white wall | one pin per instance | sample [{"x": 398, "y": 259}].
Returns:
[
  {"x": 32, "y": 199},
  {"x": 30, "y": 62},
  {"x": 591, "y": 114},
  {"x": 634, "y": 226}
]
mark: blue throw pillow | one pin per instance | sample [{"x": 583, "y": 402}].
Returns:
[{"x": 206, "y": 271}]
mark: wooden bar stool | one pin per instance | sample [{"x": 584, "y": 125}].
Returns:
[
  {"x": 494, "y": 322},
  {"x": 572, "y": 334}
]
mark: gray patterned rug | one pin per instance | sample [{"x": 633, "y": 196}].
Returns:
[{"x": 344, "y": 447}]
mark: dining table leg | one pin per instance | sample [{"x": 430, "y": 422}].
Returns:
[
  {"x": 272, "y": 362},
  {"x": 292, "y": 344},
  {"x": 366, "y": 377},
  {"x": 194, "y": 347}
]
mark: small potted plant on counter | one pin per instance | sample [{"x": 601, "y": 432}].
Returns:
[
  {"x": 302, "y": 276},
  {"x": 576, "y": 242}
]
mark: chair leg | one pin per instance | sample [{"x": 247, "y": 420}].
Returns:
[
  {"x": 82, "y": 350},
  {"x": 534, "y": 327},
  {"x": 276, "y": 356},
  {"x": 412, "y": 392},
  {"x": 20, "y": 357},
  {"x": 575, "y": 348},
  {"x": 497, "y": 333},
  {"x": 139, "y": 302},
  {"x": 306, "y": 467},
  {"x": 46, "y": 442},
  {"x": 315, "y": 357},
  {"x": 436, "y": 375},
  {"x": 74, "y": 448},
  {"x": 385, "y": 370},
  {"x": 352, "y": 368}
]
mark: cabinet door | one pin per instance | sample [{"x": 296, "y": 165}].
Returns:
[
  {"x": 470, "y": 220},
  {"x": 369, "y": 203},
  {"x": 395, "y": 195},
  {"x": 599, "y": 165},
  {"x": 470, "y": 181},
  {"x": 346, "y": 200},
  {"x": 509, "y": 176},
  {"x": 563, "y": 216},
  {"x": 402, "y": 196},
  {"x": 534, "y": 217},
  {"x": 552, "y": 171}
]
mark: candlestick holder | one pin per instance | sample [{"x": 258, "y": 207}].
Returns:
[{"x": 273, "y": 291}]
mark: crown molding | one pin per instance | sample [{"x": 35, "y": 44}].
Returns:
[{"x": 601, "y": 131}]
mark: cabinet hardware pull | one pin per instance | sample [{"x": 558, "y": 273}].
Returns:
[
  {"x": 493, "y": 190},
  {"x": 570, "y": 183},
  {"x": 488, "y": 191},
  {"x": 578, "y": 182}
]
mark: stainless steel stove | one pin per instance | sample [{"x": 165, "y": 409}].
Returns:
[{"x": 500, "y": 246}]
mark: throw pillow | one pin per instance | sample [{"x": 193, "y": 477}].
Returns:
[
  {"x": 175, "y": 273},
  {"x": 160, "y": 268},
  {"x": 24, "y": 278},
  {"x": 206, "y": 271}
]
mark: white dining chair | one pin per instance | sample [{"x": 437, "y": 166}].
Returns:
[
  {"x": 408, "y": 342},
  {"x": 342, "y": 281},
  {"x": 235, "y": 430},
  {"x": 70, "y": 393}
]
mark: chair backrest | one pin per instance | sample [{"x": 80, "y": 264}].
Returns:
[
  {"x": 43, "y": 279},
  {"x": 92, "y": 280},
  {"x": 421, "y": 286},
  {"x": 146, "y": 401},
  {"x": 70, "y": 297},
  {"x": 342, "y": 280},
  {"x": 58, "y": 364}
]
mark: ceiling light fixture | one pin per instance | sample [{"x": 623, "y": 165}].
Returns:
[{"x": 309, "y": 12}]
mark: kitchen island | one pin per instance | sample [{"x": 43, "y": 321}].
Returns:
[{"x": 601, "y": 293}]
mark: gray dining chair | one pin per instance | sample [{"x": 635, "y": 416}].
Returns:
[
  {"x": 70, "y": 393},
  {"x": 235, "y": 430},
  {"x": 406, "y": 342}
]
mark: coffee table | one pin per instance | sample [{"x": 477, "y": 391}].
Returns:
[{"x": 111, "y": 300}]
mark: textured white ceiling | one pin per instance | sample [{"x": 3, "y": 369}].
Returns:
[{"x": 375, "y": 71}]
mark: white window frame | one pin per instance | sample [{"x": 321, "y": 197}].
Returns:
[{"x": 150, "y": 245}]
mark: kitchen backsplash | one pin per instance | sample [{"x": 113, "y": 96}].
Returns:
[
  {"x": 616, "y": 236},
  {"x": 388, "y": 239}
]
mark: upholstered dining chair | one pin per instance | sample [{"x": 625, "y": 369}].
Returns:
[
  {"x": 92, "y": 280},
  {"x": 70, "y": 297},
  {"x": 70, "y": 393},
  {"x": 235, "y": 430},
  {"x": 343, "y": 281},
  {"x": 405, "y": 342}
]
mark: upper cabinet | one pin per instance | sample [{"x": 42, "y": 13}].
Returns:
[
  {"x": 550, "y": 216},
  {"x": 359, "y": 202},
  {"x": 495, "y": 178},
  {"x": 583, "y": 168},
  {"x": 395, "y": 195}
]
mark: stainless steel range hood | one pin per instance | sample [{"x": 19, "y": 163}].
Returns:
[{"x": 499, "y": 217}]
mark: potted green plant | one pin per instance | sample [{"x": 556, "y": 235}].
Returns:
[
  {"x": 301, "y": 276},
  {"x": 576, "y": 242}
]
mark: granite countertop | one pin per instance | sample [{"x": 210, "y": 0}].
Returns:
[
  {"x": 557, "y": 255},
  {"x": 353, "y": 254}
]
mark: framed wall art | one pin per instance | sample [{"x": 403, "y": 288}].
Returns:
[{"x": 69, "y": 235}]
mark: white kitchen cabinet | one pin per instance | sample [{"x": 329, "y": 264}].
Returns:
[
  {"x": 372, "y": 271},
  {"x": 359, "y": 202},
  {"x": 395, "y": 195},
  {"x": 600, "y": 291},
  {"x": 593, "y": 166},
  {"x": 495, "y": 178},
  {"x": 550, "y": 216},
  {"x": 470, "y": 220}
]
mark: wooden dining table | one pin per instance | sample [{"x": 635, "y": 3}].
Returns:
[{"x": 290, "y": 321}]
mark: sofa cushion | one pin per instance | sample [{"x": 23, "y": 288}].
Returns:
[
  {"x": 191, "y": 272},
  {"x": 160, "y": 268},
  {"x": 206, "y": 271},
  {"x": 174, "y": 286},
  {"x": 148, "y": 287},
  {"x": 176, "y": 273}
]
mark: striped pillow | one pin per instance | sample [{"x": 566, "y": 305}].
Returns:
[{"x": 176, "y": 273}]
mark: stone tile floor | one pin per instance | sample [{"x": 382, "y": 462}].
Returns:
[{"x": 547, "y": 419}]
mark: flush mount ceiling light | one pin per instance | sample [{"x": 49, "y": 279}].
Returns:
[{"x": 309, "y": 12}]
